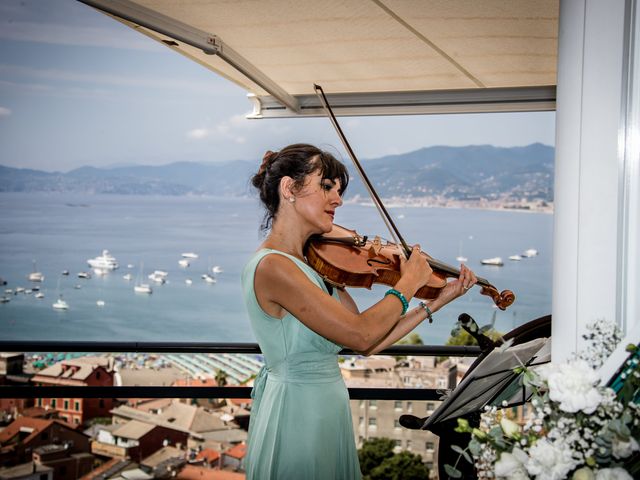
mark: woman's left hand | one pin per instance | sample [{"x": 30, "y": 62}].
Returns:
[{"x": 458, "y": 287}]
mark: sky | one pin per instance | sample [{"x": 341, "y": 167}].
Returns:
[{"x": 78, "y": 88}]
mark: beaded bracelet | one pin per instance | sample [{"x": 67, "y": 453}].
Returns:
[
  {"x": 405, "y": 304},
  {"x": 428, "y": 310}
]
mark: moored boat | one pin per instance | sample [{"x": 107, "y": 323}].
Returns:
[
  {"x": 189, "y": 255},
  {"x": 142, "y": 288},
  {"x": 60, "y": 304},
  {"x": 106, "y": 261},
  {"x": 531, "y": 252},
  {"x": 35, "y": 276},
  {"x": 496, "y": 261},
  {"x": 515, "y": 258}
]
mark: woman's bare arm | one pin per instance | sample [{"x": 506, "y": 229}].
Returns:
[{"x": 280, "y": 285}]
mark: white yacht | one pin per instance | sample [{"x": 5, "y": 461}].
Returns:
[
  {"x": 100, "y": 303},
  {"x": 127, "y": 276},
  {"x": 496, "y": 261},
  {"x": 217, "y": 269},
  {"x": 531, "y": 252},
  {"x": 188, "y": 281},
  {"x": 208, "y": 278},
  {"x": 189, "y": 255},
  {"x": 61, "y": 304},
  {"x": 143, "y": 288},
  {"x": 36, "y": 277},
  {"x": 39, "y": 295},
  {"x": 515, "y": 258},
  {"x": 106, "y": 261},
  {"x": 183, "y": 263},
  {"x": 154, "y": 277},
  {"x": 86, "y": 275}
]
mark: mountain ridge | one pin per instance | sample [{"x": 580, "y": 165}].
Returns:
[{"x": 456, "y": 173}]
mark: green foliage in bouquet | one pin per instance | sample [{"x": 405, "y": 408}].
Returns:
[{"x": 577, "y": 429}]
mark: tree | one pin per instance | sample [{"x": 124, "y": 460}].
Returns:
[
  {"x": 221, "y": 377},
  {"x": 378, "y": 462},
  {"x": 402, "y": 466},
  {"x": 373, "y": 452},
  {"x": 411, "y": 339}
]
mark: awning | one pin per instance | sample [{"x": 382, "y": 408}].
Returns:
[{"x": 372, "y": 57}]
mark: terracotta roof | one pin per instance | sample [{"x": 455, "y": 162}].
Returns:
[
  {"x": 113, "y": 465},
  {"x": 237, "y": 451},
  {"x": 162, "y": 455},
  {"x": 191, "y": 472},
  {"x": 148, "y": 404},
  {"x": 73, "y": 369},
  {"x": 133, "y": 430},
  {"x": 209, "y": 455},
  {"x": 195, "y": 382},
  {"x": 24, "y": 470},
  {"x": 36, "y": 425}
]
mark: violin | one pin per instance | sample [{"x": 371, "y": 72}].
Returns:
[{"x": 346, "y": 259}]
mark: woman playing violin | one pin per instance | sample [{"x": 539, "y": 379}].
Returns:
[{"x": 301, "y": 423}]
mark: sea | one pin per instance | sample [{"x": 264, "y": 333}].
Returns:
[{"x": 54, "y": 232}]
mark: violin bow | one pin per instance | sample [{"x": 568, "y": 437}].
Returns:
[
  {"x": 391, "y": 226},
  {"x": 501, "y": 299}
]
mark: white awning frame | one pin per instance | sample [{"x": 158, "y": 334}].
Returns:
[
  {"x": 209, "y": 43},
  {"x": 485, "y": 100}
]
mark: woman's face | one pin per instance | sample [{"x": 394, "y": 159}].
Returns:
[{"x": 317, "y": 200}]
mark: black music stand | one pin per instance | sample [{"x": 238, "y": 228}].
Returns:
[{"x": 491, "y": 380}]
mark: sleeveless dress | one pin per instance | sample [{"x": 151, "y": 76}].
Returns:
[{"x": 300, "y": 426}]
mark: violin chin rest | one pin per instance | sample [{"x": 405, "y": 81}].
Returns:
[{"x": 412, "y": 422}]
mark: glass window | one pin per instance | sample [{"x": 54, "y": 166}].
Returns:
[
  {"x": 397, "y": 405},
  {"x": 372, "y": 421}
]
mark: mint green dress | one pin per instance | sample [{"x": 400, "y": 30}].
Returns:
[{"x": 300, "y": 425}]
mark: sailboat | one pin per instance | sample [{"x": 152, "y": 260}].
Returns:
[
  {"x": 60, "y": 304},
  {"x": 139, "y": 286},
  {"x": 461, "y": 258},
  {"x": 35, "y": 276}
]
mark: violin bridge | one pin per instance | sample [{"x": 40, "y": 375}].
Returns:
[{"x": 376, "y": 246}]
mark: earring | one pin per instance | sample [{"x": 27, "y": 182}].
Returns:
[{"x": 292, "y": 199}]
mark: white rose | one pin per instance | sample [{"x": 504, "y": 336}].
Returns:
[
  {"x": 613, "y": 474},
  {"x": 550, "y": 461},
  {"x": 509, "y": 427},
  {"x": 510, "y": 467},
  {"x": 584, "y": 473},
  {"x": 621, "y": 449},
  {"x": 571, "y": 384}
]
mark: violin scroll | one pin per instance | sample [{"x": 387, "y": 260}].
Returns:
[{"x": 502, "y": 299}]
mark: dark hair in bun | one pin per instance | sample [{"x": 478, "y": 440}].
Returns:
[{"x": 295, "y": 161}]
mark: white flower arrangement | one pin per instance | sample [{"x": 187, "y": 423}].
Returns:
[{"x": 578, "y": 429}]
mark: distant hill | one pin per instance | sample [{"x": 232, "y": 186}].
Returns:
[{"x": 479, "y": 171}]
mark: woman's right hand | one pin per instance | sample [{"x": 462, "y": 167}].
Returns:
[{"x": 416, "y": 268}]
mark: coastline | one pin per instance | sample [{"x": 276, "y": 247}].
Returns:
[{"x": 501, "y": 204}]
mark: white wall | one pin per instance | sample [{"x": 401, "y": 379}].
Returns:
[{"x": 592, "y": 210}]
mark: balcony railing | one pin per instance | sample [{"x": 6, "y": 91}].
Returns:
[{"x": 31, "y": 391}]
